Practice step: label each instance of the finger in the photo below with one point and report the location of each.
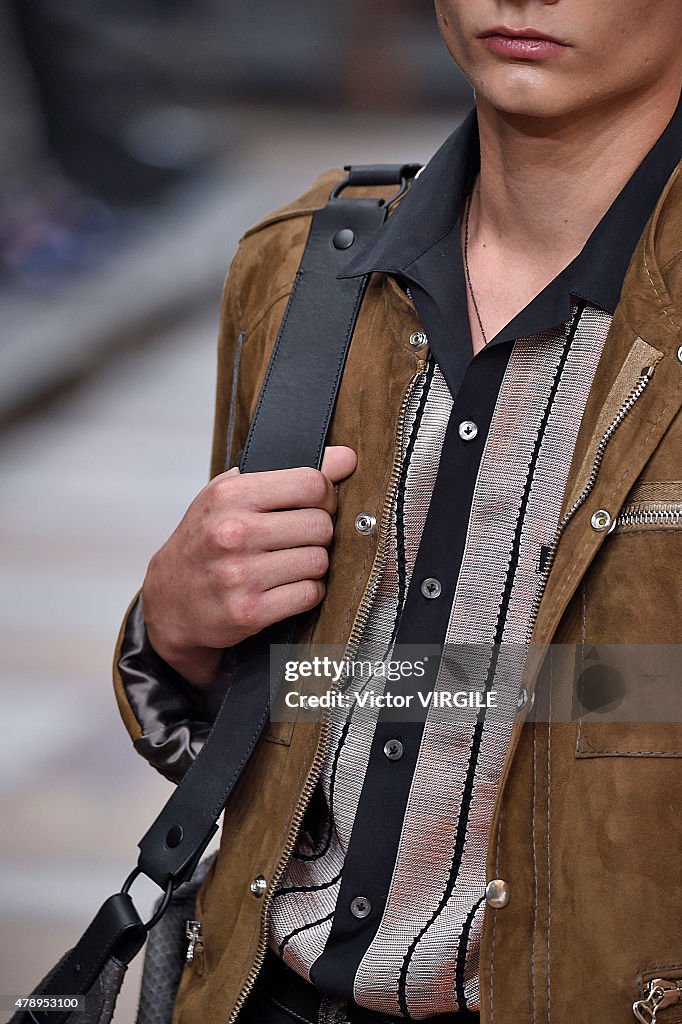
(289, 599)
(338, 462)
(286, 489)
(276, 568)
(275, 531)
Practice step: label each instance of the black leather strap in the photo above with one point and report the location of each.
(288, 429)
(298, 394)
(380, 174)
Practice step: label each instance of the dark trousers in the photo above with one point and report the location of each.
(280, 996)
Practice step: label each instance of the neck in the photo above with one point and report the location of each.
(546, 183)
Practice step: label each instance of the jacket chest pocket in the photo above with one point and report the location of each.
(655, 505)
(629, 702)
(628, 689)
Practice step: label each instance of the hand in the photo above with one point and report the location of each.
(250, 550)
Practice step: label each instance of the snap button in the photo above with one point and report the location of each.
(343, 239)
(468, 430)
(431, 588)
(258, 886)
(365, 523)
(497, 893)
(524, 698)
(418, 339)
(601, 520)
(393, 749)
(360, 907)
(679, 353)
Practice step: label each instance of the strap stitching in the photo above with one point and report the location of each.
(341, 362)
(275, 356)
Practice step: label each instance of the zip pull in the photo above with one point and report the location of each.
(195, 947)
(660, 995)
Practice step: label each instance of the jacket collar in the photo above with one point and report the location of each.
(422, 236)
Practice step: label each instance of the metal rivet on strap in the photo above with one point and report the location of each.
(174, 836)
(343, 239)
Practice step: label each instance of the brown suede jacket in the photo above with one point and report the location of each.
(587, 830)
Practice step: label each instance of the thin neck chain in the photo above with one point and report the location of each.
(466, 267)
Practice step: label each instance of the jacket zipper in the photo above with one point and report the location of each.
(396, 469)
(660, 995)
(311, 781)
(644, 378)
(316, 767)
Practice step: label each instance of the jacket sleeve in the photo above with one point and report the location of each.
(168, 719)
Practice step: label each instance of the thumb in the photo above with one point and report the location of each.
(338, 462)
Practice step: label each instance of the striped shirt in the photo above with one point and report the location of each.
(382, 903)
(432, 918)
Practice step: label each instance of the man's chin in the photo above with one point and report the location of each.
(527, 92)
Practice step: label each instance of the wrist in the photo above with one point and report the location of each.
(197, 665)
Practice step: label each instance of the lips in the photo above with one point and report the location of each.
(524, 43)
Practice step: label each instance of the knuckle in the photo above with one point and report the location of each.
(321, 527)
(319, 561)
(312, 593)
(214, 535)
(233, 574)
(231, 534)
(313, 485)
(244, 610)
(328, 529)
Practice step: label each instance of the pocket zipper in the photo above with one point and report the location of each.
(660, 995)
(638, 389)
(638, 515)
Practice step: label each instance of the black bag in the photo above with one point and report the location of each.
(288, 430)
(166, 951)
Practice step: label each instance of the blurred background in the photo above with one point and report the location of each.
(138, 140)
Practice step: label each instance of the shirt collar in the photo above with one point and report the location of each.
(420, 241)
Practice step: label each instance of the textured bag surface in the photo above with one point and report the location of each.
(101, 999)
(164, 956)
(163, 963)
